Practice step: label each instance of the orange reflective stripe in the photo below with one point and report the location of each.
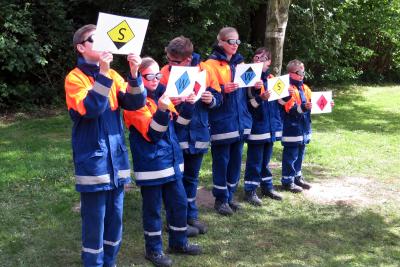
(141, 118)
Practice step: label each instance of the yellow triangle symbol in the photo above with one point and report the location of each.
(279, 86)
(121, 34)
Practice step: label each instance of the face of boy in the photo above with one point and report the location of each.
(177, 61)
(85, 48)
(264, 59)
(297, 74)
(152, 69)
(230, 49)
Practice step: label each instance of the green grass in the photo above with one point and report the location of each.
(361, 138)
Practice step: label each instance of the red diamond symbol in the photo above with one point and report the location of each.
(322, 102)
(196, 88)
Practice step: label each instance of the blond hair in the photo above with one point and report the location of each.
(225, 31)
(146, 62)
(294, 65)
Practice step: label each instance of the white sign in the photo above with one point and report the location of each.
(181, 81)
(321, 102)
(119, 35)
(246, 75)
(279, 87)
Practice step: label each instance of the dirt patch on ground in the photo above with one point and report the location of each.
(204, 198)
(356, 191)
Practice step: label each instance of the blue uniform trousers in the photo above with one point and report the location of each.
(226, 164)
(101, 214)
(292, 160)
(257, 169)
(191, 180)
(174, 198)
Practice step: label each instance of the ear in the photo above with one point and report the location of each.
(80, 48)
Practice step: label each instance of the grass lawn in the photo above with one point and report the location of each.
(358, 142)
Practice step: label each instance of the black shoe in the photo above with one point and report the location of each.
(159, 259)
(192, 231)
(223, 208)
(292, 188)
(299, 180)
(252, 198)
(271, 193)
(235, 206)
(199, 225)
(189, 249)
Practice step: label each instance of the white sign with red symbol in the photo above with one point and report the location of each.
(279, 87)
(183, 81)
(119, 35)
(321, 102)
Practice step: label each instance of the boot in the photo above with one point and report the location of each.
(159, 259)
(223, 208)
(235, 206)
(271, 193)
(252, 198)
(292, 187)
(199, 225)
(189, 249)
(299, 180)
(192, 231)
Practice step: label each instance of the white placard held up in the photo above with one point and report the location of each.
(181, 81)
(279, 87)
(119, 35)
(246, 75)
(321, 102)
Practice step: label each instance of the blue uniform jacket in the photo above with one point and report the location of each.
(230, 122)
(99, 152)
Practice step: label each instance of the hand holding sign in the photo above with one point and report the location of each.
(134, 63)
(104, 63)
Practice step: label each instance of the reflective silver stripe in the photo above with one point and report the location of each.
(254, 103)
(292, 138)
(184, 145)
(124, 173)
(110, 243)
(181, 167)
(158, 127)
(93, 251)
(278, 134)
(247, 131)
(215, 137)
(92, 180)
(152, 233)
(250, 182)
(220, 187)
(101, 89)
(298, 173)
(259, 136)
(288, 177)
(177, 228)
(231, 185)
(182, 120)
(199, 144)
(191, 199)
(150, 175)
(135, 90)
(267, 178)
(280, 101)
(299, 110)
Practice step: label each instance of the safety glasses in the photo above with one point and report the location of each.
(89, 39)
(176, 62)
(300, 72)
(233, 41)
(152, 76)
(261, 58)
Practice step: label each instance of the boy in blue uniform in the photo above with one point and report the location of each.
(94, 95)
(266, 129)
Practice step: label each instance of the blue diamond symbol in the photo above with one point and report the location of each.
(248, 75)
(182, 83)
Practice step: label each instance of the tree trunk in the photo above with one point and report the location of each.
(277, 18)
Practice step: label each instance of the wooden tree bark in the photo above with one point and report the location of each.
(277, 18)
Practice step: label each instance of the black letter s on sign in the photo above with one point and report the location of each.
(120, 32)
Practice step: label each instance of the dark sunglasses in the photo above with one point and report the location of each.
(152, 76)
(233, 41)
(177, 62)
(300, 72)
(261, 58)
(89, 39)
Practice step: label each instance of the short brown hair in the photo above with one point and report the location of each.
(180, 47)
(263, 50)
(294, 65)
(79, 35)
(224, 32)
(146, 62)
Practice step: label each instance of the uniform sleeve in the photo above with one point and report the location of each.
(214, 87)
(185, 114)
(151, 126)
(86, 99)
(131, 94)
